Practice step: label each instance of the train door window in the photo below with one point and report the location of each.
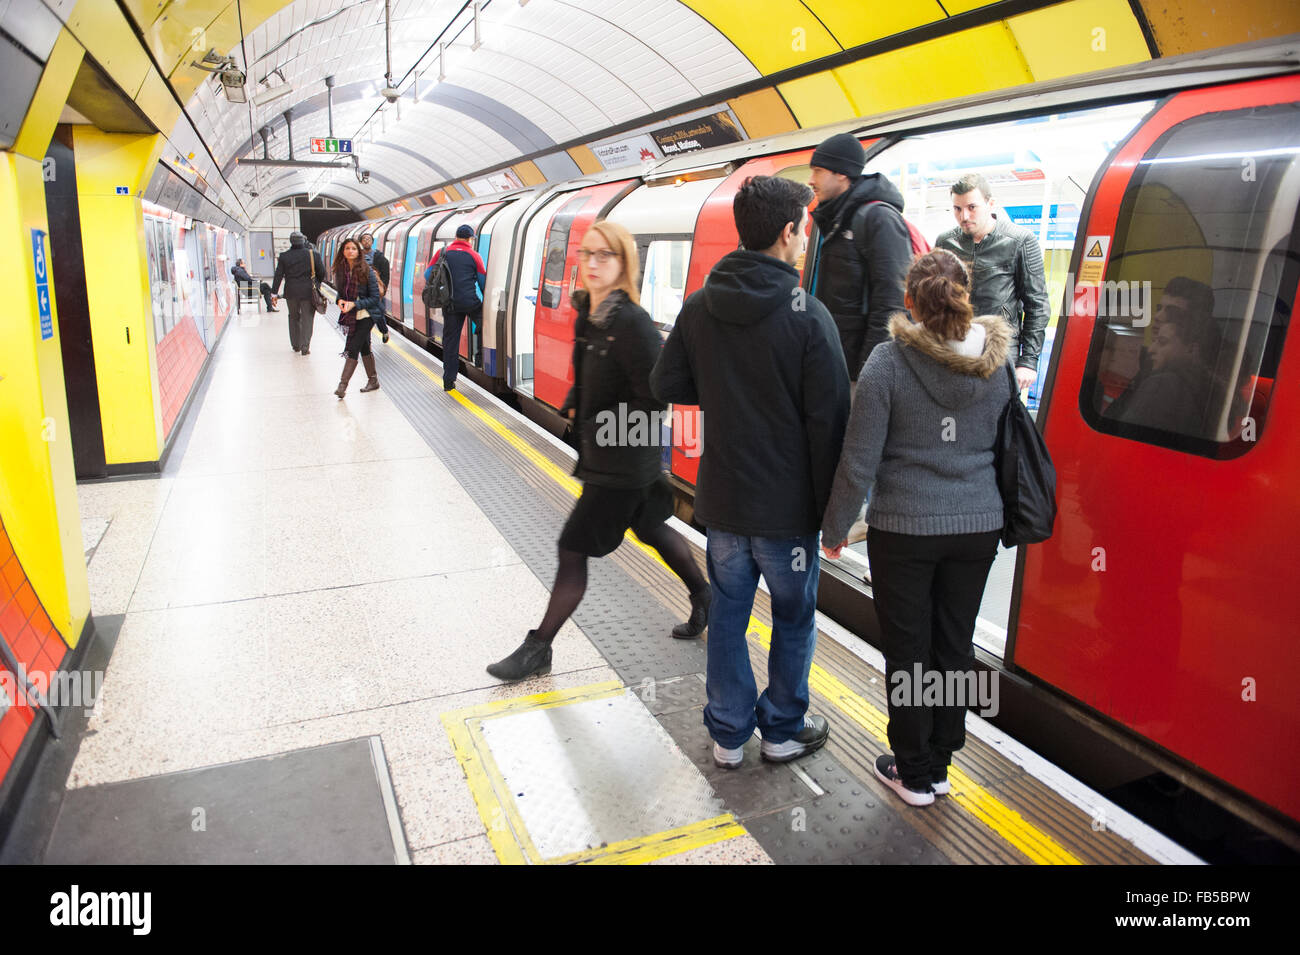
(1039, 170)
(663, 279)
(1199, 285)
(536, 242)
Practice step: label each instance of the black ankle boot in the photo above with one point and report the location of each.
(533, 658)
(699, 616)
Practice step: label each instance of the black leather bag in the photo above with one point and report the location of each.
(1025, 473)
(318, 301)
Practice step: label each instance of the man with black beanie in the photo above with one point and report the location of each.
(865, 247)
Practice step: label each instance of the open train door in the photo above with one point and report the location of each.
(1165, 599)
(554, 318)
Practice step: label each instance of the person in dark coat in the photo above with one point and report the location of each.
(762, 359)
(468, 277)
(865, 247)
(358, 289)
(618, 422)
(379, 262)
(1005, 262)
(294, 269)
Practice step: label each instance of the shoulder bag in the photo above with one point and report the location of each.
(1026, 478)
(317, 299)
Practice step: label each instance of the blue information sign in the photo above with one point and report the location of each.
(122, 190)
(41, 271)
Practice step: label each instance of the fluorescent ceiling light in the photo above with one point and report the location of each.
(271, 95)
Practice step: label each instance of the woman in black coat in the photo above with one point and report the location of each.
(618, 425)
(358, 289)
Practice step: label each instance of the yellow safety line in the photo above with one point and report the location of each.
(974, 798)
(670, 842)
(970, 795)
(506, 830)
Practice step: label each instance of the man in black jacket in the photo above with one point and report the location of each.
(294, 269)
(763, 361)
(1005, 263)
(865, 247)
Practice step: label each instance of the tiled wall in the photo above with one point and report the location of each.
(180, 357)
(35, 642)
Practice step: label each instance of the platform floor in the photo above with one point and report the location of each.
(310, 571)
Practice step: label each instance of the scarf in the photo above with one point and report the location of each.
(604, 314)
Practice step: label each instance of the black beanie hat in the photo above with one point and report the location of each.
(465, 232)
(841, 153)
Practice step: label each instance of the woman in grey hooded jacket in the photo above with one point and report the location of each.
(920, 442)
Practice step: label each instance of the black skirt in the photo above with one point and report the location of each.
(603, 514)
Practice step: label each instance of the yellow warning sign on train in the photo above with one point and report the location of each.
(1095, 252)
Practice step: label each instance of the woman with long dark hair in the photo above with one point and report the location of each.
(358, 290)
(920, 441)
(615, 346)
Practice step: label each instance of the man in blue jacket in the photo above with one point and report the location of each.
(763, 361)
(468, 275)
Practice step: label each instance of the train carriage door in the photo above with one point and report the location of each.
(661, 215)
(532, 258)
(1167, 590)
(554, 318)
(1038, 169)
(426, 244)
(714, 237)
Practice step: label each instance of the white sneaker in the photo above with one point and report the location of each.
(941, 789)
(725, 758)
(887, 772)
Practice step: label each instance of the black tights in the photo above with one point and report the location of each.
(571, 577)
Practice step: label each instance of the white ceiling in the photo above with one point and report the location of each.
(545, 73)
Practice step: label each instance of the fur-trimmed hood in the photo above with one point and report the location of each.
(951, 379)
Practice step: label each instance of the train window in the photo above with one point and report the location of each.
(1199, 285)
(1038, 168)
(663, 279)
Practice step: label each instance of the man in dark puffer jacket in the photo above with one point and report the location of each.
(865, 247)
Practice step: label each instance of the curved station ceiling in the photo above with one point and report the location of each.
(488, 95)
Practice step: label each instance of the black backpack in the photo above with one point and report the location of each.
(1026, 477)
(438, 291)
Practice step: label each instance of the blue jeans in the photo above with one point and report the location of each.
(790, 566)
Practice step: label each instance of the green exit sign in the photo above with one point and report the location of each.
(331, 146)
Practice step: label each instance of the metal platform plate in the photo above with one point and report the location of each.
(584, 775)
(325, 805)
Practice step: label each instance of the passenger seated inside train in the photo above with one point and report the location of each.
(1174, 382)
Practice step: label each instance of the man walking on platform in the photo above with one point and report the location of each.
(468, 276)
(1005, 263)
(295, 269)
(763, 361)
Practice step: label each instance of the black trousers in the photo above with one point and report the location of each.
(358, 341)
(927, 593)
(452, 324)
(302, 319)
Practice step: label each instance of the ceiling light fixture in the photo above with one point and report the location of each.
(272, 93)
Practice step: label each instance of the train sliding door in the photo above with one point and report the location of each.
(1165, 600)
(554, 316)
(1038, 169)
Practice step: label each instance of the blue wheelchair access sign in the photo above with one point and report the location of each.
(41, 271)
